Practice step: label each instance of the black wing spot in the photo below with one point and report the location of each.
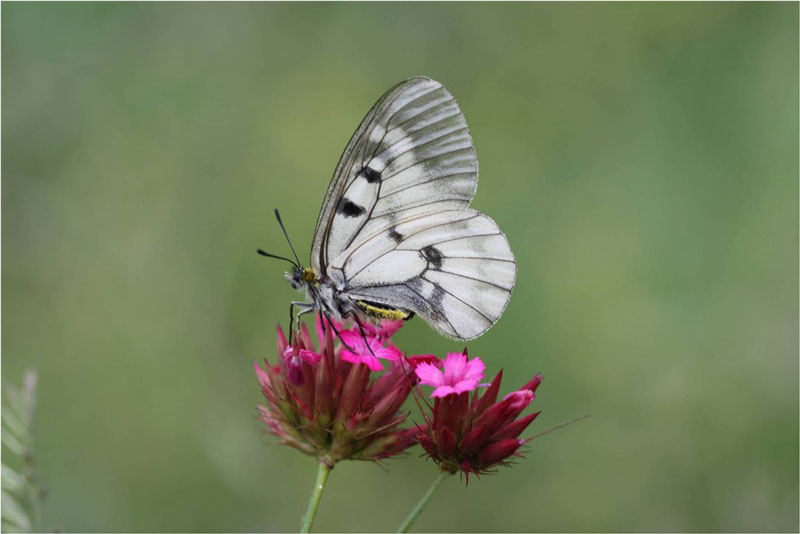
(433, 255)
(349, 208)
(395, 235)
(370, 174)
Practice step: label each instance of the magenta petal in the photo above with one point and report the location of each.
(348, 356)
(309, 356)
(474, 370)
(443, 391)
(353, 339)
(465, 385)
(454, 366)
(367, 359)
(371, 347)
(387, 353)
(429, 374)
(372, 362)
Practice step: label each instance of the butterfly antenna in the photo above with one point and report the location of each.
(268, 255)
(285, 233)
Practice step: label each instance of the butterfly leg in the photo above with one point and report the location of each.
(363, 334)
(338, 335)
(305, 307)
(326, 311)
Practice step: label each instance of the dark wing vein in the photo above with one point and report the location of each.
(473, 278)
(438, 311)
(429, 110)
(395, 173)
(344, 168)
(458, 299)
(480, 258)
(424, 183)
(466, 237)
(364, 160)
(428, 142)
(409, 236)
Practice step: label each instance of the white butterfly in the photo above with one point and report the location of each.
(396, 236)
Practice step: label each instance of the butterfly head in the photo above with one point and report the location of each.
(301, 277)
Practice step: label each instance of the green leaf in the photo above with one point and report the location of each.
(20, 495)
(14, 513)
(16, 403)
(13, 444)
(14, 425)
(12, 481)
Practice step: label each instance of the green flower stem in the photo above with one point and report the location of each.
(415, 513)
(316, 495)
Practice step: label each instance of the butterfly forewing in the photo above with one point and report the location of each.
(411, 154)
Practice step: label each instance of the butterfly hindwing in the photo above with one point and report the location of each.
(453, 268)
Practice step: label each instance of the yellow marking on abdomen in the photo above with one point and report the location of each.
(382, 313)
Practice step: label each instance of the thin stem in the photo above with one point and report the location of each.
(316, 495)
(557, 427)
(415, 513)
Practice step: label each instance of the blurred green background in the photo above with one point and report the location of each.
(642, 160)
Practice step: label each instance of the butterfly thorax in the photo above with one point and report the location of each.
(310, 277)
(329, 296)
(302, 277)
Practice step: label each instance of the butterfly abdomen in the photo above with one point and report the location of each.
(381, 311)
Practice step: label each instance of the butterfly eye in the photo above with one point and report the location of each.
(293, 279)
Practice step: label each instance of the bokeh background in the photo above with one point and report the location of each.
(642, 160)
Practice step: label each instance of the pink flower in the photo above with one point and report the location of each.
(363, 354)
(459, 375)
(472, 433)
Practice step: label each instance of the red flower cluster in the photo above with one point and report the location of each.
(472, 435)
(327, 401)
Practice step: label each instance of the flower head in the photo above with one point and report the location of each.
(472, 435)
(326, 400)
